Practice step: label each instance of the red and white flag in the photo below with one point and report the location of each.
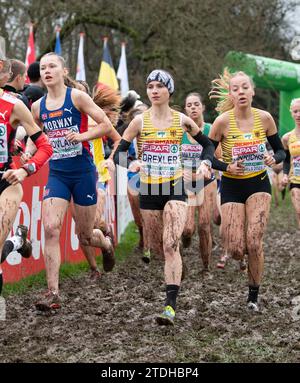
(30, 54)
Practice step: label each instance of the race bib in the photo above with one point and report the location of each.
(3, 144)
(253, 155)
(160, 159)
(62, 148)
(191, 155)
(296, 166)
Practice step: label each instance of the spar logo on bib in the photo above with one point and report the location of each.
(174, 149)
(2, 130)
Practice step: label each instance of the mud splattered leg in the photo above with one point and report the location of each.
(152, 222)
(233, 229)
(257, 211)
(295, 195)
(10, 200)
(174, 218)
(54, 210)
(204, 228)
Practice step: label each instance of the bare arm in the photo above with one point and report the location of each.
(84, 103)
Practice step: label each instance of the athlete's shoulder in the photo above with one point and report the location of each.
(11, 98)
(286, 136)
(264, 115)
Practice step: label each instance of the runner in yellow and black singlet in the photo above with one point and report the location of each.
(245, 186)
(291, 165)
(159, 131)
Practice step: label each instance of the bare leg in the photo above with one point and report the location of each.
(10, 200)
(153, 238)
(174, 218)
(134, 201)
(295, 195)
(257, 211)
(54, 210)
(233, 229)
(204, 228)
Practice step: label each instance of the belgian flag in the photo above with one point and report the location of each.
(107, 74)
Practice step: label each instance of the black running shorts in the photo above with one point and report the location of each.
(155, 196)
(239, 190)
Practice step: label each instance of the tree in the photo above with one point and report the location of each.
(190, 39)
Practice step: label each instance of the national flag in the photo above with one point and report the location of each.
(30, 54)
(57, 49)
(80, 70)
(107, 74)
(122, 73)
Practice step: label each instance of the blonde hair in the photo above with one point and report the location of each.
(293, 102)
(221, 90)
(60, 58)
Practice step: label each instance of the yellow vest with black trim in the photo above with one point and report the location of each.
(160, 151)
(294, 148)
(250, 147)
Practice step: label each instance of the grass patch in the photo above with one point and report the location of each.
(127, 243)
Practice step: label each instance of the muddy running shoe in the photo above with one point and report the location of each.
(243, 265)
(49, 301)
(186, 241)
(253, 306)
(146, 256)
(108, 256)
(167, 317)
(222, 262)
(206, 274)
(19, 243)
(95, 275)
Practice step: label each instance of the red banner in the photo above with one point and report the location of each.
(30, 214)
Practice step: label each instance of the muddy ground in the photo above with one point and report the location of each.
(113, 321)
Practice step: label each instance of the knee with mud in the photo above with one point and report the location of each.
(84, 240)
(237, 254)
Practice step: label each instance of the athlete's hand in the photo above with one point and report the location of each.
(188, 175)
(74, 137)
(25, 157)
(15, 176)
(204, 170)
(269, 160)
(285, 180)
(236, 168)
(135, 166)
(108, 164)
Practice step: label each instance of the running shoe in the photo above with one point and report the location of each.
(108, 256)
(222, 262)
(253, 306)
(146, 256)
(206, 274)
(243, 265)
(167, 317)
(95, 275)
(186, 241)
(49, 301)
(20, 236)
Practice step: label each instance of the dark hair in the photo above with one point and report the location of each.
(195, 94)
(33, 72)
(17, 67)
(85, 85)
